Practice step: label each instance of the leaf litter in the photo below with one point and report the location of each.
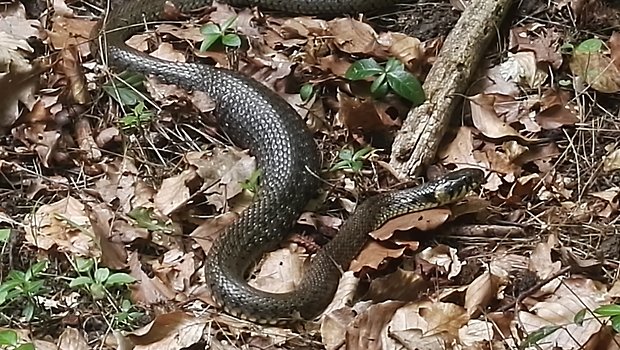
(128, 185)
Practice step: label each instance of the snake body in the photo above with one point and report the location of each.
(256, 118)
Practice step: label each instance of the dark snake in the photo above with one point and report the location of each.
(255, 117)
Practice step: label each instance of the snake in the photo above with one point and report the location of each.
(255, 117)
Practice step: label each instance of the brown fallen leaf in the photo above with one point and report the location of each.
(147, 290)
(424, 220)
(210, 229)
(480, 292)
(556, 111)
(174, 192)
(426, 325)
(571, 297)
(113, 253)
(596, 70)
(72, 339)
(175, 330)
(366, 332)
(441, 256)
(352, 36)
(399, 285)
(280, 271)
(487, 121)
(365, 115)
(71, 32)
(64, 224)
(373, 254)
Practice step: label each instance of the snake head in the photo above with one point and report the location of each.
(455, 185)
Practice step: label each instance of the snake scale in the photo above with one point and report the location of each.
(254, 117)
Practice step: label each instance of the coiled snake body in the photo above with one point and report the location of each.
(255, 117)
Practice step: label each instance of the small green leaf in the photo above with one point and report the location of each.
(357, 166)
(608, 310)
(97, 291)
(83, 265)
(615, 323)
(407, 86)
(306, 92)
(210, 29)
(567, 49)
(538, 335)
(229, 22)
(579, 316)
(8, 337)
(119, 278)
(590, 46)
(144, 218)
(28, 311)
(252, 183)
(363, 69)
(346, 154)
(381, 91)
(343, 164)
(394, 65)
(27, 346)
(231, 40)
(360, 154)
(37, 268)
(80, 281)
(3, 295)
(102, 274)
(5, 234)
(209, 40)
(376, 85)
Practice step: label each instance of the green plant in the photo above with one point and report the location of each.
(391, 76)
(146, 218)
(613, 312)
(252, 183)
(213, 33)
(10, 340)
(350, 160)
(125, 88)
(306, 92)
(24, 287)
(97, 281)
(5, 234)
(139, 115)
(127, 316)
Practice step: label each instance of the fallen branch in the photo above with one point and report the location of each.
(418, 139)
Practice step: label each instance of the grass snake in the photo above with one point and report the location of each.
(254, 117)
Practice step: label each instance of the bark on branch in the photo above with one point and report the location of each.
(417, 141)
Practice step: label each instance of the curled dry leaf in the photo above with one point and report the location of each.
(425, 325)
(399, 285)
(334, 327)
(521, 67)
(480, 292)
(147, 290)
(175, 330)
(540, 260)
(113, 252)
(368, 330)
(487, 121)
(373, 254)
(442, 256)
(117, 186)
(347, 287)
